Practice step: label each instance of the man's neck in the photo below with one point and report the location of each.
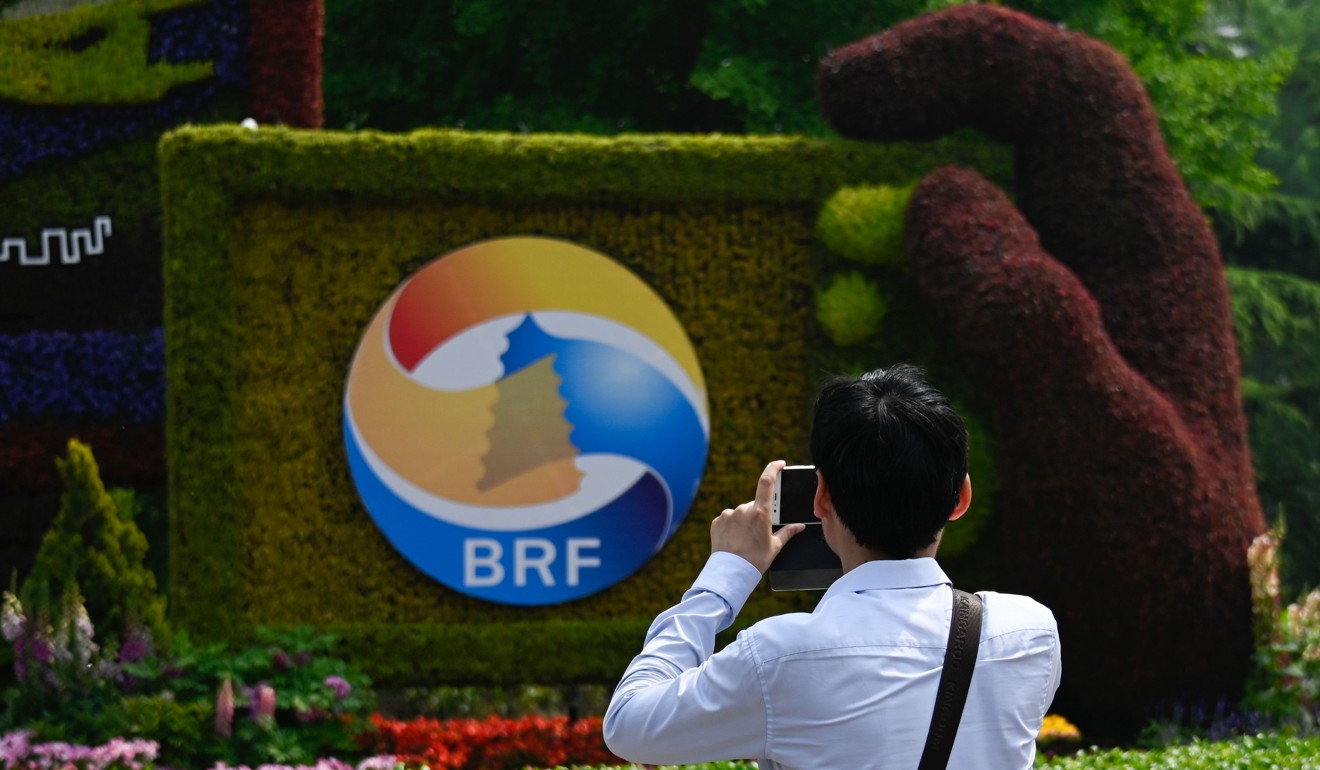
(856, 555)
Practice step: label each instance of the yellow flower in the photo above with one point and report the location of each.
(1056, 728)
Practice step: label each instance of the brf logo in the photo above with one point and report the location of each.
(526, 421)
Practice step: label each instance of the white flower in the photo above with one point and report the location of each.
(83, 646)
(11, 618)
(59, 640)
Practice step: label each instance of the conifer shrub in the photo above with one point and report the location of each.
(91, 546)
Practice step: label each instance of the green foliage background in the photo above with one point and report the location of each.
(1277, 317)
(281, 246)
(748, 66)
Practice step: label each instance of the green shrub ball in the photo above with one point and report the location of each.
(865, 224)
(851, 309)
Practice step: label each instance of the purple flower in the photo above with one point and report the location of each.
(20, 657)
(95, 374)
(263, 702)
(41, 649)
(339, 686)
(138, 646)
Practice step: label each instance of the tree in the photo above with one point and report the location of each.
(746, 66)
(91, 546)
(1282, 230)
(1278, 328)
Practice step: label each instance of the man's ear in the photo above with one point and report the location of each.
(823, 506)
(964, 499)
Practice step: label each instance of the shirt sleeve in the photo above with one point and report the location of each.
(677, 702)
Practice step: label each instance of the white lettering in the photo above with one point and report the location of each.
(521, 560)
(484, 565)
(576, 561)
(479, 552)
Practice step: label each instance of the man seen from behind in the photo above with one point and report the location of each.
(852, 684)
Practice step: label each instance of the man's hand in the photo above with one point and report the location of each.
(745, 531)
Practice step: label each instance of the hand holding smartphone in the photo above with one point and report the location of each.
(794, 498)
(806, 562)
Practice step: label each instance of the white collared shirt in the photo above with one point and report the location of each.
(850, 685)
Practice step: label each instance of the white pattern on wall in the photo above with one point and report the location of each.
(68, 246)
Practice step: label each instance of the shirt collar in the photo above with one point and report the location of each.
(886, 574)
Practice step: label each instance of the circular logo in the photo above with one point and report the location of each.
(526, 421)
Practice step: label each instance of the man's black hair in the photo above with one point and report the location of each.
(893, 453)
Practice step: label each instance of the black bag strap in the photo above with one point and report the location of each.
(955, 680)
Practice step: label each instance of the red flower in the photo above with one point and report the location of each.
(491, 744)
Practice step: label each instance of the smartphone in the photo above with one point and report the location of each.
(806, 563)
(795, 495)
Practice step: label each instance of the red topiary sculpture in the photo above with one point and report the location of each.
(1096, 317)
(285, 38)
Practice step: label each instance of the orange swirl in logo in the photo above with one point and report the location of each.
(435, 437)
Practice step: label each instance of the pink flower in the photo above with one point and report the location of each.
(339, 686)
(17, 751)
(224, 709)
(263, 702)
(14, 746)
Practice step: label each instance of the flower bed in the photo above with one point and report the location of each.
(19, 752)
(492, 744)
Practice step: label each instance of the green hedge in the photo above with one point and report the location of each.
(1262, 752)
(280, 246)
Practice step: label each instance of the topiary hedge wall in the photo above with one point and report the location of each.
(280, 247)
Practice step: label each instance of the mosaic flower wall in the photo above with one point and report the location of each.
(85, 93)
